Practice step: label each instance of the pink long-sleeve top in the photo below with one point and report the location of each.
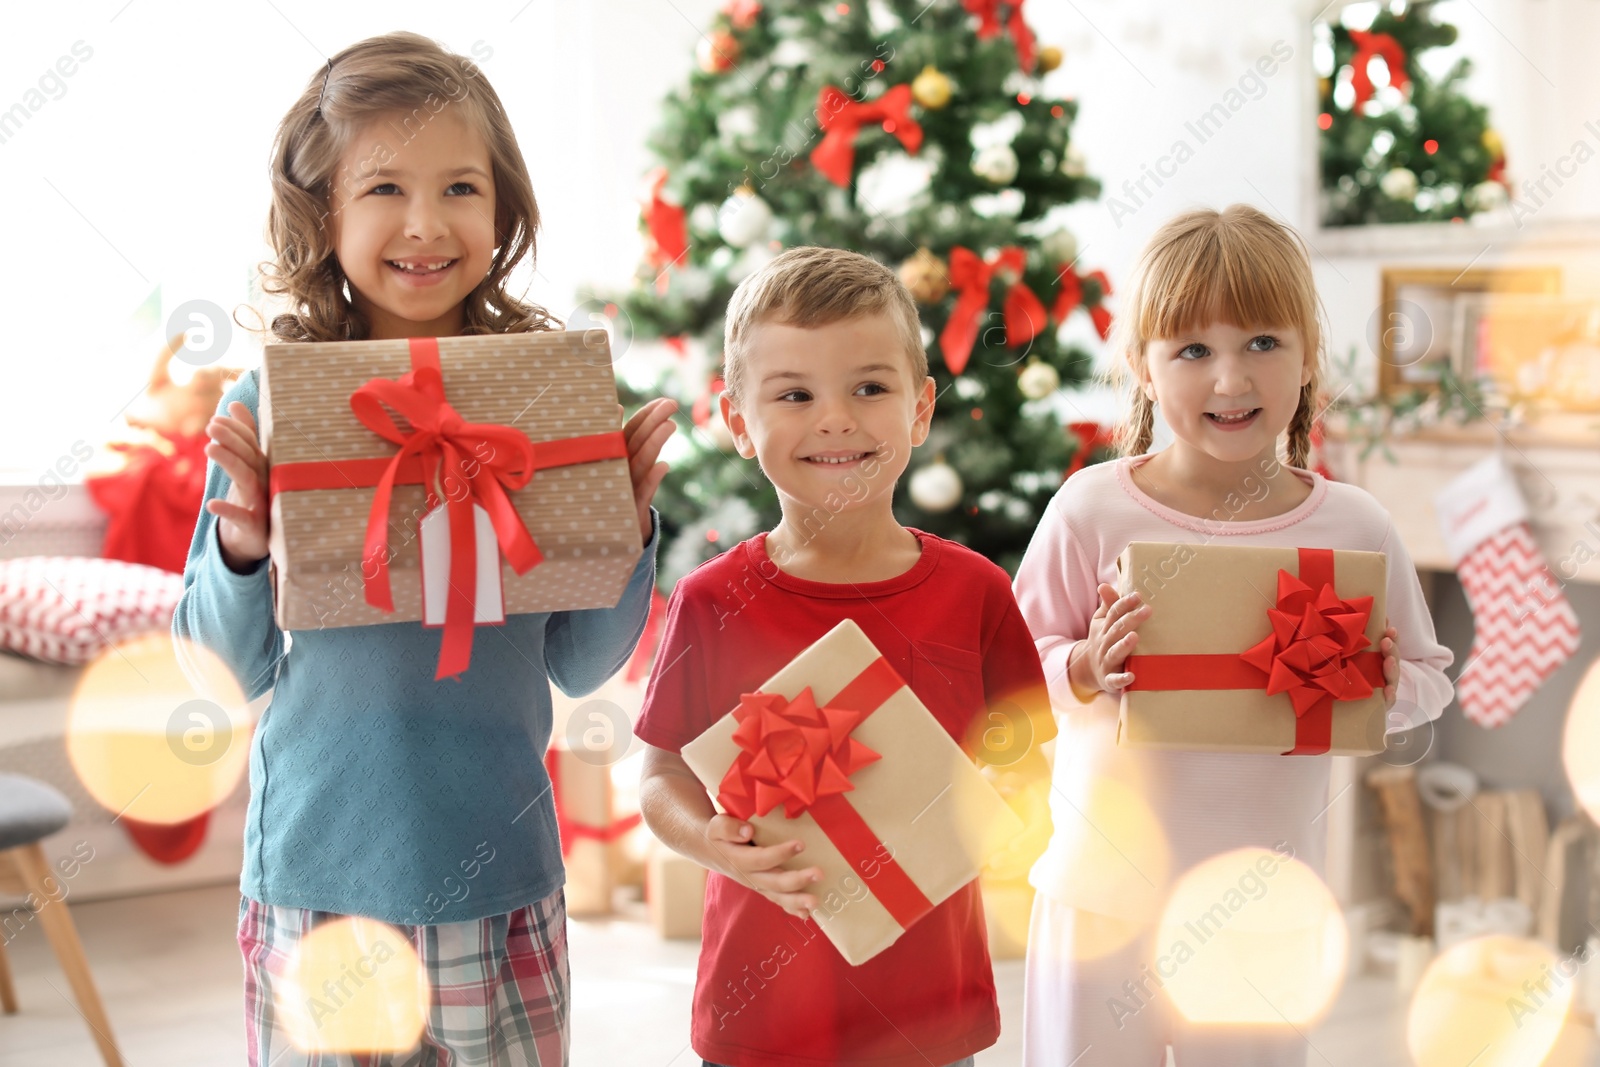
(1127, 821)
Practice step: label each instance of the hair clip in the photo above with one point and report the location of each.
(324, 94)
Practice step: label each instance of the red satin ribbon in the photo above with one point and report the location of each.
(669, 229)
(970, 276)
(1070, 295)
(988, 12)
(842, 118)
(572, 832)
(434, 453)
(1313, 653)
(798, 756)
(1376, 44)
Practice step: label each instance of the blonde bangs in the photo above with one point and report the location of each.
(1234, 273)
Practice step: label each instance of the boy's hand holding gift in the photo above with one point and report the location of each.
(760, 866)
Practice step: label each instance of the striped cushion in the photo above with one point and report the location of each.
(66, 609)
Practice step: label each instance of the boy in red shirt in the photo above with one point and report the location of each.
(828, 388)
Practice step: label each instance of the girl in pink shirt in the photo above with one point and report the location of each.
(1219, 331)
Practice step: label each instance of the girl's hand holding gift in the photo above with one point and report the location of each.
(1113, 632)
(242, 518)
(757, 866)
(1390, 647)
(646, 432)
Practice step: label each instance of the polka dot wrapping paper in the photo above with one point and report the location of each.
(550, 386)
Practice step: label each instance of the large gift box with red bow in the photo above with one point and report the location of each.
(836, 751)
(1272, 650)
(453, 481)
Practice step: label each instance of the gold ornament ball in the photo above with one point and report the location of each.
(1049, 58)
(1038, 380)
(718, 53)
(1493, 144)
(925, 276)
(931, 88)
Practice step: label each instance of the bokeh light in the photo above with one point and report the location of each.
(148, 742)
(1252, 936)
(353, 985)
(1494, 1001)
(1580, 747)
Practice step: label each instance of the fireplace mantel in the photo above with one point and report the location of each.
(1557, 468)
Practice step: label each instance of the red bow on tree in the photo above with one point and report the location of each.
(1024, 313)
(1090, 435)
(1376, 44)
(988, 12)
(668, 227)
(1311, 651)
(842, 118)
(1070, 295)
(792, 753)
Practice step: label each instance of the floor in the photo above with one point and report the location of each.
(168, 969)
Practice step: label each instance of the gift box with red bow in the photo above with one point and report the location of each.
(836, 751)
(450, 480)
(1272, 650)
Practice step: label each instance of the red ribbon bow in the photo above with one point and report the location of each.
(988, 12)
(1070, 295)
(669, 229)
(1317, 653)
(1024, 312)
(800, 756)
(434, 452)
(1376, 44)
(1312, 649)
(793, 752)
(842, 118)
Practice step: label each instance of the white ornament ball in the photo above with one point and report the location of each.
(936, 487)
(743, 219)
(1059, 247)
(1076, 164)
(996, 163)
(1399, 184)
(1038, 380)
(1487, 196)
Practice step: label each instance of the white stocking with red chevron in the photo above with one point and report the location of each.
(1524, 628)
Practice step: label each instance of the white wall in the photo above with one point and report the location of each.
(147, 166)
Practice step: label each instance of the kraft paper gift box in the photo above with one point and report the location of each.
(517, 436)
(836, 751)
(1271, 650)
(675, 893)
(592, 829)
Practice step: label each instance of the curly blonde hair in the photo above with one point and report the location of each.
(397, 72)
(1237, 265)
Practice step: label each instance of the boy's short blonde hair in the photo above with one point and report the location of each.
(811, 286)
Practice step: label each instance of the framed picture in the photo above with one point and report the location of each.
(1539, 350)
(1418, 330)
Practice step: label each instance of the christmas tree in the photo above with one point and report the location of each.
(917, 134)
(1403, 146)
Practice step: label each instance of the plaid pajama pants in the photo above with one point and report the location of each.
(499, 989)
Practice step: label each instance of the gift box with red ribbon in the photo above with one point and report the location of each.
(489, 470)
(1271, 650)
(836, 751)
(594, 827)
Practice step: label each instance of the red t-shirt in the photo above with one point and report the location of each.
(772, 991)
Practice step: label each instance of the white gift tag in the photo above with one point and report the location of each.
(435, 537)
